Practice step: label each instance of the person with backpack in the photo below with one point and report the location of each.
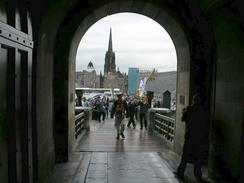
(119, 111)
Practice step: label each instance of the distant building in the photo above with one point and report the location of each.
(88, 78)
(111, 77)
(133, 80)
(109, 65)
(161, 82)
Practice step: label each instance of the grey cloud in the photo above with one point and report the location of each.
(136, 40)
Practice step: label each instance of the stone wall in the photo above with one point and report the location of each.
(229, 88)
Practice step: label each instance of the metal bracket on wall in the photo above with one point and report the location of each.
(182, 99)
(15, 35)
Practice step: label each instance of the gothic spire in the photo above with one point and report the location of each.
(110, 44)
(110, 66)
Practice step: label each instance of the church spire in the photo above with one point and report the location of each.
(110, 66)
(110, 44)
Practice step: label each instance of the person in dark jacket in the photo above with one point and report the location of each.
(195, 149)
(106, 101)
(143, 112)
(120, 111)
(100, 107)
(132, 111)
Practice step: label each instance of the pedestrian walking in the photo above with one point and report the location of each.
(195, 149)
(100, 107)
(107, 106)
(119, 111)
(143, 112)
(132, 111)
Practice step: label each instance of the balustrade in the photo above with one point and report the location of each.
(79, 123)
(162, 124)
(83, 116)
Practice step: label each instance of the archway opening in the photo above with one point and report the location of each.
(68, 40)
(129, 53)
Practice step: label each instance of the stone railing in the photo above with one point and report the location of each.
(162, 124)
(83, 117)
(79, 123)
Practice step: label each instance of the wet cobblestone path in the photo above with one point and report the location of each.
(142, 157)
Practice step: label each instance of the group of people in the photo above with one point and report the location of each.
(127, 108)
(100, 106)
(195, 147)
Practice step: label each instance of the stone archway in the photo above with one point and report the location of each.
(185, 25)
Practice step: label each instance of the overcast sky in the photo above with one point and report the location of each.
(138, 41)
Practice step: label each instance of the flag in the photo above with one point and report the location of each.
(142, 86)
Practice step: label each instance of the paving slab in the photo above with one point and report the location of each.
(141, 157)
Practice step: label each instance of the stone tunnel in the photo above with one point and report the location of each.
(39, 41)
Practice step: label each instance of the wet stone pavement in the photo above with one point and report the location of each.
(141, 157)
